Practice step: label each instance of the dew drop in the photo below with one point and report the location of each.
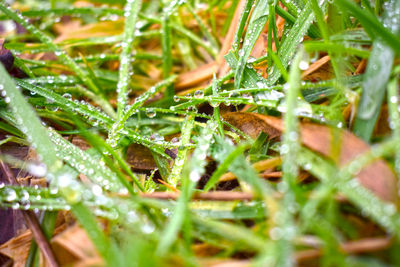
(38, 170)
(11, 195)
(198, 94)
(150, 113)
(303, 65)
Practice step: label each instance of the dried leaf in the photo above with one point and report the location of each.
(195, 77)
(377, 176)
(140, 158)
(17, 248)
(73, 245)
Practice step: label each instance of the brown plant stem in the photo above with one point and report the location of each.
(32, 222)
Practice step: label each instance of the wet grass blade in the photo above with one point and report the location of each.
(28, 123)
(382, 212)
(376, 77)
(179, 162)
(294, 37)
(65, 58)
(242, 24)
(38, 136)
(131, 12)
(257, 23)
(371, 24)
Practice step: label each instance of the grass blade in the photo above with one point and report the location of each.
(257, 23)
(131, 12)
(376, 77)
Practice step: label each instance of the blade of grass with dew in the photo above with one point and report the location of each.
(371, 24)
(40, 198)
(259, 18)
(369, 203)
(376, 76)
(191, 175)
(132, 109)
(294, 37)
(313, 46)
(61, 54)
(179, 162)
(75, 11)
(242, 23)
(250, 75)
(84, 163)
(224, 165)
(131, 12)
(215, 105)
(282, 251)
(394, 115)
(89, 111)
(166, 51)
(28, 123)
(271, 100)
(37, 135)
(66, 103)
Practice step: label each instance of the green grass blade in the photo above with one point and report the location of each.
(29, 123)
(294, 37)
(131, 12)
(376, 77)
(394, 115)
(257, 23)
(242, 24)
(179, 162)
(58, 52)
(371, 24)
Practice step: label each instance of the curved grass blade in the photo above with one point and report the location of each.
(29, 123)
